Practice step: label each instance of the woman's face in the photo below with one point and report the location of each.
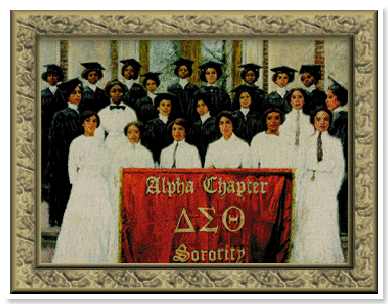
(183, 72)
(321, 121)
(282, 80)
(245, 100)
(133, 134)
(90, 125)
(93, 77)
(202, 108)
(129, 73)
(307, 79)
(52, 79)
(116, 94)
(178, 132)
(273, 121)
(211, 75)
(151, 86)
(250, 77)
(164, 107)
(297, 100)
(75, 96)
(226, 127)
(332, 101)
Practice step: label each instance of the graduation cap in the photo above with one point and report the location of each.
(53, 69)
(251, 67)
(132, 62)
(185, 62)
(313, 70)
(285, 70)
(69, 86)
(339, 90)
(91, 66)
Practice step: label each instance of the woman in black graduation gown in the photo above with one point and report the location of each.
(145, 107)
(133, 90)
(336, 102)
(52, 102)
(248, 122)
(94, 98)
(219, 99)
(204, 130)
(64, 128)
(156, 136)
(250, 75)
(183, 89)
(277, 99)
(310, 75)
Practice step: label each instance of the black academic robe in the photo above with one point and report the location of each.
(202, 134)
(316, 98)
(258, 101)
(185, 99)
(247, 128)
(50, 105)
(134, 93)
(274, 100)
(63, 130)
(145, 109)
(219, 100)
(93, 100)
(156, 137)
(339, 128)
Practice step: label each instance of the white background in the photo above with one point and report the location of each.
(7, 6)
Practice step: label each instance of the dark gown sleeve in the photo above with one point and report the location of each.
(93, 100)
(156, 137)
(246, 129)
(131, 95)
(317, 98)
(274, 100)
(185, 99)
(63, 130)
(145, 109)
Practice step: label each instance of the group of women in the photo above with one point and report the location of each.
(94, 132)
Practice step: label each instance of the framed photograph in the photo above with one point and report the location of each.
(342, 45)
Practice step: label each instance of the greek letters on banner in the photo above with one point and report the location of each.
(206, 216)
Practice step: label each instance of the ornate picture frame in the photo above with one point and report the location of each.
(28, 275)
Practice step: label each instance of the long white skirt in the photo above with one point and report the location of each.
(317, 236)
(89, 232)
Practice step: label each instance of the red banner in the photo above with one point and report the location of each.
(206, 216)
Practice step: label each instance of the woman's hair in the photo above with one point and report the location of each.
(180, 122)
(111, 84)
(340, 92)
(264, 117)
(189, 69)
(226, 114)
(315, 112)
(302, 91)
(156, 79)
(67, 92)
(291, 76)
(135, 70)
(85, 115)
(217, 68)
(135, 123)
(86, 72)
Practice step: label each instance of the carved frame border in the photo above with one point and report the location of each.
(29, 276)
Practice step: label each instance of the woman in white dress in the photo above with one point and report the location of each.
(271, 149)
(229, 151)
(180, 154)
(88, 233)
(316, 228)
